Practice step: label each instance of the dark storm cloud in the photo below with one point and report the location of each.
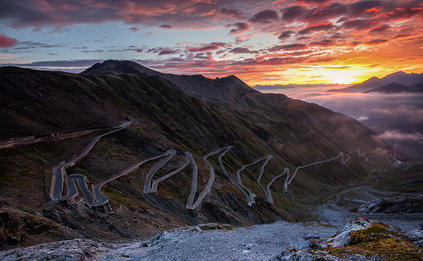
(265, 17)
(232, 13)
(380, 29)
(316, 28)
(371, 42)
(358, 24)
(285, 35)
(195, 13)
(383, 10)
(241, 50)
(287, 47)
(326, 13)
(325, 42)
(162, 50)
(239, 28)
(39, 13)
(313, 1)
(292, 13)
(207, 47)
(363, 7)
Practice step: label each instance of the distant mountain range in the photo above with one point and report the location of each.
(392, 83)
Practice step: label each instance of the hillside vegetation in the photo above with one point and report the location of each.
(37, 103)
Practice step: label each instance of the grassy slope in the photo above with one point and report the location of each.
(294, 132)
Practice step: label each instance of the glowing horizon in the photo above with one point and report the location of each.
(267, 43)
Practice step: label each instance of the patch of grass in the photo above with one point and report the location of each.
(379, 240)
(376, 232)
(213, 226)
(118, 197)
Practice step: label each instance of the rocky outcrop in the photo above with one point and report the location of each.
(76, 249)
(411, 203)
(362, 239)
(22, 228)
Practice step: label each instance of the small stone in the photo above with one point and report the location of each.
(419, 243)
(310, 236)
(314, 243)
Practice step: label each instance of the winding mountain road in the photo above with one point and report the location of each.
(59, 172)
(222, 166)
(153, 187)
(251, 195)
(260, 176)
(101, 199)
(289, 179)
(191, 204)
(96, 198)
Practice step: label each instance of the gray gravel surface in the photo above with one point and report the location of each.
(259, 242)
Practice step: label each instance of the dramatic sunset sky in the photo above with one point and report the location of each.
(262, 42)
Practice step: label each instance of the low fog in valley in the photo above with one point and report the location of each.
(396, 118)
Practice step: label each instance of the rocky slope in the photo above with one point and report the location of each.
(360, 239)
(36, 103)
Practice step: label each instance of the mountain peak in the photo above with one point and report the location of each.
(233, 79)
(373, 79)
(397, 73)
(119, 66)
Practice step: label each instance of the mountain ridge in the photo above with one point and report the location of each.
(398, 88)
(370, 85)
(228, 88)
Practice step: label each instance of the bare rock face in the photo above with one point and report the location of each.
(343, 236)
(411, 203)
(76, 249)
(17, 227)
(417, 236)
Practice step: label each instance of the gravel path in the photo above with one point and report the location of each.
(259, 242)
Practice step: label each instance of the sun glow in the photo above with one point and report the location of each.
(320, 74)
(341, 76)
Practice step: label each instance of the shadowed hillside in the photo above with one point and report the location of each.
(36, 103)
